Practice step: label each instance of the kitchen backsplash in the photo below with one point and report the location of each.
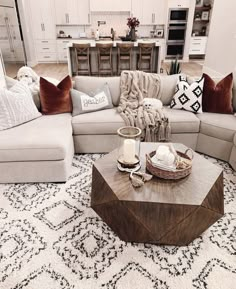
(115, 20)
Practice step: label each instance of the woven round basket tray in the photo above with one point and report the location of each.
(170, 175)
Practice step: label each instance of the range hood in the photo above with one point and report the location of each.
(110, 6)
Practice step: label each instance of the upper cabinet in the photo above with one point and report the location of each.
(179, 3)
(84, 17)
(72, 12)
(66, 12)
(149, 12)
(43, 21)
(110, 6)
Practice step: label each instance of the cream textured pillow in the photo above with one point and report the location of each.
(16, 106)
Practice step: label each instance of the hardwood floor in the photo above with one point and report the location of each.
(192, 68)
(12, 68)
(59, 71)
(54, 70)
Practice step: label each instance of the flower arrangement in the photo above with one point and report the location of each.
(133, 22)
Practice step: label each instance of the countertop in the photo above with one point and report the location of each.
(158, 41)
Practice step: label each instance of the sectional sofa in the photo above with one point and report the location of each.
(42, 150)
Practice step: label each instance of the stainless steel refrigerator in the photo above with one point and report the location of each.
(11, 38)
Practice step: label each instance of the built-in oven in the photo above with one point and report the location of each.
(176, 32)
(178, 15)
(174, 49)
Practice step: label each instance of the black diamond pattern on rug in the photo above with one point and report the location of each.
(80, 189)
(216, 274)
(58, 215)
(175, 260)
(25, 197)
(19, 242)
(133, 275)
(45, 276)
(96, 252)
(223, 233)
(84, 253)
(84, 245)
(3, 214)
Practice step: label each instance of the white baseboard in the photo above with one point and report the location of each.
(212, 72)
(186, 59)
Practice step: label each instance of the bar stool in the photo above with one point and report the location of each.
(125, 52)
(83, 58)
(104, 56)
(146, 56)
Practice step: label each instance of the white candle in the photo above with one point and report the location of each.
(129, 151)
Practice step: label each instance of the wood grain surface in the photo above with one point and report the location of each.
(162, 211)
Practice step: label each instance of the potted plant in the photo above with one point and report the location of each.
(132, 23)
(174, 67)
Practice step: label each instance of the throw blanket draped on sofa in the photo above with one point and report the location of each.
(135, 86)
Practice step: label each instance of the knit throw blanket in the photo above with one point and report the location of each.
(135, 86)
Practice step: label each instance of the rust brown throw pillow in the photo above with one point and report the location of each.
(55, 99)
(217, 98)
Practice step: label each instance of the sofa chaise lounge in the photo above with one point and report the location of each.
(42, 150)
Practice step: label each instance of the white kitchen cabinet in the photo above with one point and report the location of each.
(149, 12)
(72, 12)
(198, 45)
(46, 50)
(110, 6)
(66, 12)
(84, 16)
(42, 19)
(62, 49)
(137, 9)
(179, 3)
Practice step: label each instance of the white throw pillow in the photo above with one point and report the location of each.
(16, 106)
(84, 103)
(188, 97)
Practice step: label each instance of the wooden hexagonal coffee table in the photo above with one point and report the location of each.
(161, 212)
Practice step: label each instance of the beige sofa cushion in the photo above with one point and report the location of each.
(221, 126)
(168, 86)
(109, 120)
(235, 139)
(182, 121)
(90, 84)
(100, 122)
(43, 139)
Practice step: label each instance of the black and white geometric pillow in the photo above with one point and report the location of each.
(188, 97)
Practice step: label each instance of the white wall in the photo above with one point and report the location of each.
(220, 56)
(24, 10)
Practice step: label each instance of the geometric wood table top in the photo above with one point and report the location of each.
(162, 211)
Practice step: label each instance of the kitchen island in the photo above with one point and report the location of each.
(72, 58)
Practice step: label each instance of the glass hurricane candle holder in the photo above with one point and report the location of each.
(129, 147)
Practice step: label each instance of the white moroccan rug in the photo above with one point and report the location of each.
(51, 239)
